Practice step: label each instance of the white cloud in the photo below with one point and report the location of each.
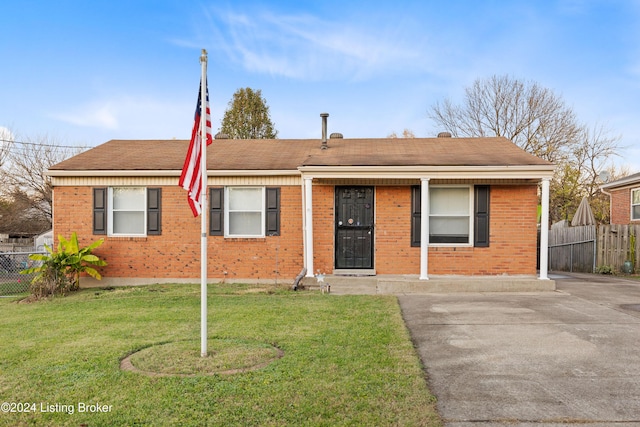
(574, 7)
(309, 48)
(132, 116)
(101, 115)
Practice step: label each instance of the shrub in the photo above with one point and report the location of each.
(604, 269)
(59, 271)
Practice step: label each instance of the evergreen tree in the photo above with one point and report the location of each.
(247, 116)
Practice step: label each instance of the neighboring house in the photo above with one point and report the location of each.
(419, 206)
(43, 239)
(624, 198)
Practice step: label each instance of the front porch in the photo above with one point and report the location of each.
(411, 284)
(391, 225)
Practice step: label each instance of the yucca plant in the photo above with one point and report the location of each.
(59, 271)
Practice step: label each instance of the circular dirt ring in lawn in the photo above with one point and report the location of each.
(182, 358)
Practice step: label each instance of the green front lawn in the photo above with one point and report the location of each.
(348, 360)
(13, 287)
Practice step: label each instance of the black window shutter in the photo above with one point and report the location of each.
(415, 215)
(216, 211)
(481, 213)
(99, 211)
(273, 212)
(154, 211)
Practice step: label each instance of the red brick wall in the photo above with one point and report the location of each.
(323, 228)
(620, 206)
(512, 238)
(393, 251)
(176, 253)
(513, 231)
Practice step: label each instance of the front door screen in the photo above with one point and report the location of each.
(354, 227)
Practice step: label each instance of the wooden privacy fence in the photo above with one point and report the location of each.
(573, 249)
(585, 248)
(614, 245)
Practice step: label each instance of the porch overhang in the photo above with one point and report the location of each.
(523, 174)
(526, 172)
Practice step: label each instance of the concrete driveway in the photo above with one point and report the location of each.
(569, 357)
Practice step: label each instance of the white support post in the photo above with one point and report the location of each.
(424, 229)
(308, 225)
(544, 230)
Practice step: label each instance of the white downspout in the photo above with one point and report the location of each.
(544, 230)
(424, 229)
(610, 204)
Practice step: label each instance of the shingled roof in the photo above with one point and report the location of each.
(629, 180)
(289, 154)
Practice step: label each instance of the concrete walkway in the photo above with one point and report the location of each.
(569, 357)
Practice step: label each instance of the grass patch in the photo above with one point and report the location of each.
(348, 360)
(225, 356)
(8, 288)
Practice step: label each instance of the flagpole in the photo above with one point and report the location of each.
(203, 199)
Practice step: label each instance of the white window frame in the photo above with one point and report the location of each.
(227, 210)
(110, 206)
(633, 190)
(470, 215)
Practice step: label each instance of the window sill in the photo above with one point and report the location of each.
(127, 238)
(464, 248)
(446, 245)
(245, 239)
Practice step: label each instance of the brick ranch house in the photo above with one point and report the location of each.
(420, 208)
(624, 198)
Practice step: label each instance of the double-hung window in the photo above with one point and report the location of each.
(127, 211)
(245, 215)
(635, 204)
(458, 215)
(244, 211)
(450, 215)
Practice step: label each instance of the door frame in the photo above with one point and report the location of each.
(371, 227)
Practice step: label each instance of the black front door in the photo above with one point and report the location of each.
(354, 227)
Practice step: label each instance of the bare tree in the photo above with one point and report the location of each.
(531, 116)
(577, 175)
(406, 133)
(17, 216)
(592, 156)
(539, 122)
(6, 138)
(25, 185)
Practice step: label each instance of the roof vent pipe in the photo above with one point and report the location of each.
(324, 130)
(444, 135)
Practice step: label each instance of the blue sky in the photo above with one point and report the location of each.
(85, 72)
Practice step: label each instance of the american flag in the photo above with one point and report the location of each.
(191, 177)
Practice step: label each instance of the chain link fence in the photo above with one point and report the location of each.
(11, 264)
